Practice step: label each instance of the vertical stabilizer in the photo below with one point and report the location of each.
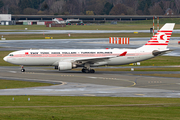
(161, 39)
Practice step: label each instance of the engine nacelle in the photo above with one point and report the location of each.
(65, 66)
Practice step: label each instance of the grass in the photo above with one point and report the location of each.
(77, 36)
(123, 25)
(2, 55)
(134, 25)
(8, 84)
(85, 27)
(73, 36)
(162, 61)
(70, 108)
(75, 27)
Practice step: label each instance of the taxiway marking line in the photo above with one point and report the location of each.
(91, 77)
(89, 95)
(140, 94)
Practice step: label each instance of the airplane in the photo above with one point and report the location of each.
(67, 59)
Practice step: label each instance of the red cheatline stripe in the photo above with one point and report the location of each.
(158, 35)
(156, 39)
(166, 35)
(165, 31)
(169, 34)
(64, 55)
(110, 39)
(156, 44)
(161, 33)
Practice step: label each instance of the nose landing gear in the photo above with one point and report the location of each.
(22, 69)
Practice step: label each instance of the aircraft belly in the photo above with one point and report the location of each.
(34, 61)
(128, 59)
(41, 61)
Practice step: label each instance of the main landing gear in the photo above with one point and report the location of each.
(87, 69)
(22, 69)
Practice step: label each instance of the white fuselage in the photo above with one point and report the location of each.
(52, 57)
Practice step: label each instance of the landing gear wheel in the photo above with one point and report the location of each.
(55, 67)
(86, 71)
(22, 70)
(83, 70)
(92, 71)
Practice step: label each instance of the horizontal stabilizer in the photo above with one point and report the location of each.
(158, 53)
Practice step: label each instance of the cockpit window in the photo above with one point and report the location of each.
(11, 55)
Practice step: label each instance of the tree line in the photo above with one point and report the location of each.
(89, 7)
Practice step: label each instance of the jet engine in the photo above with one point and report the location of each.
(65, 66)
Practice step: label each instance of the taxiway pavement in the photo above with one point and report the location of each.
(75, 83)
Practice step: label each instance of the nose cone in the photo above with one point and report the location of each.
(5, 58)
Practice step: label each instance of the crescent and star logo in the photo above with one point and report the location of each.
(162, 38)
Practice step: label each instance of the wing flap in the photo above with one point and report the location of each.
(98, 59)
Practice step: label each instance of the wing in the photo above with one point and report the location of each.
(90, 60)
(98, 59)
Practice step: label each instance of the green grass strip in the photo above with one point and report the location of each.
(123, 25)
(8, 84)
(89, 108)
(79, 36)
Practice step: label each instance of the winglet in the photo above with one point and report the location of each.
(123, 54)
